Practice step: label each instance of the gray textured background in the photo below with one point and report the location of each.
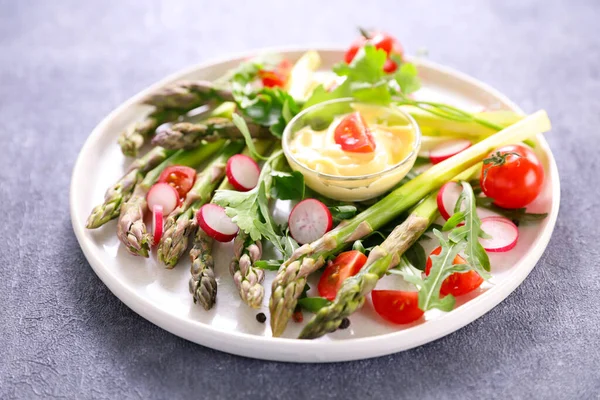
(65, 64)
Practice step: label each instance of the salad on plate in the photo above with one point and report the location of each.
(370, 171)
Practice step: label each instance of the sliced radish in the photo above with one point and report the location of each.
(447, 198)
(164, 195)
(157, 223)
(309, 220)
(242, 172)
(504, 234)
(213, 220)
(447, 149)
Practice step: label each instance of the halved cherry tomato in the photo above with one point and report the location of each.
(512, 175)
(345, 265)
(397, 306)
(277, 77)
(458, 283)
(353, 134)
(180, 177)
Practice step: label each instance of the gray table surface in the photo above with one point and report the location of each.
(65, 64)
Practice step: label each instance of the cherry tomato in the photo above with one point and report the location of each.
(513, 176)
(180, 177)
(390, 66)
(353, 135)
(345, 265)
(277, 77)
(458, 283)
(354, 47)
(381, 41)
(397, 306)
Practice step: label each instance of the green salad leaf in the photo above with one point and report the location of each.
(441, 268)
(250, 210)
(243, 128)
(366, 81)
(465, 212)
(313, 304)
(288, 185)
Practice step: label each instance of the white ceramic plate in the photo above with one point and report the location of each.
(162, 297)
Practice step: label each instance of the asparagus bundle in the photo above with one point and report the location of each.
(131, 228)
(202, 284)
(185, 135)
(121, 191)
(351, 295)
(181, 223)
(291, 277)
(170, 103)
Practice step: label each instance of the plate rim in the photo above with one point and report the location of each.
(295, 350)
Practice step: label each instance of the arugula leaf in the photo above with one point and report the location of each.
(516, 215)
(313, 304)
(441, 268)
(340, 213)
(243, 128)
(466, 212)
(288, 185)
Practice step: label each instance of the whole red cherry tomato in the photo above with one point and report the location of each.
(512, 175)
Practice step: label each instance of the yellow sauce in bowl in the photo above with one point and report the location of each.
(351, 176)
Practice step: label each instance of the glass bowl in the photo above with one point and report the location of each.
(355, 187)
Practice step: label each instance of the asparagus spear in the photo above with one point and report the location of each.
(291, 277)
(181, 223)
(247, 278)
(133, 138)
(122, 190)
(187, 95)
(185, 135)
(351, 295)
(131, 229)
(203, 285)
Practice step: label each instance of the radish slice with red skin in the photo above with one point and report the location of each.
(157, 223)
(242, 172)
(164, 195)
(447, 198)
(447, 149)
(504, 234)
(309, 220)
(213, 220)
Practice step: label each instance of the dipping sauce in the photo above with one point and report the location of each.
(340, 163)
